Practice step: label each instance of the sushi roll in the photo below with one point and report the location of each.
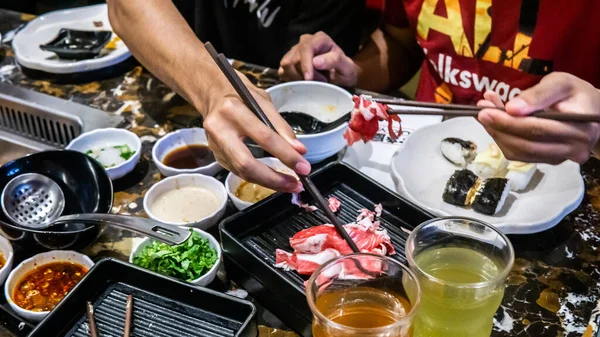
(519, 175)
(458, 152)
(489, 163)
(461, 188)
(491, 195)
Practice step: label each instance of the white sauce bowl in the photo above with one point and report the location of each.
(32, 263)
(233, 181)
(325, 102)
(176, 139)
(106, 138)
(203, 280)
(184, 180)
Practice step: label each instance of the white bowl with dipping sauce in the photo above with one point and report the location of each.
(233, 182)
(8, 255)
(191, 200)
(102, 142)
(182, 139)
(203, 280)
(325, 102)
(31, 264)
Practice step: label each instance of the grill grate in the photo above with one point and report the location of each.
(151, 319)
(277, 235)
(39, 126)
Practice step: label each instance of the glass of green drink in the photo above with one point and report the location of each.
(461, 265)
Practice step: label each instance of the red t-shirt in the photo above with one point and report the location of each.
(472, 47)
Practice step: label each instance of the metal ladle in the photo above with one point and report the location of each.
(35, 201)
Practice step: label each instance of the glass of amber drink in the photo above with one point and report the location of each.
(461, 265)
(360, 295)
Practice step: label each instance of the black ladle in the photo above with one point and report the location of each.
(303, 123)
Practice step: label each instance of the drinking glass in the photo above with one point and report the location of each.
(461, 265)
(361, 295)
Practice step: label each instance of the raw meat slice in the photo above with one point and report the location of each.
(333, 203)
(364, 120)
(314, 245)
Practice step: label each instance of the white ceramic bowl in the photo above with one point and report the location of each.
(183, 180)
(325, 102)
(30, 264)
(203, 280)
(233, 181)
(176, 139)
(7, 251)
(110, 137)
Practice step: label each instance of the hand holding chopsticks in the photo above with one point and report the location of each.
(251, 103)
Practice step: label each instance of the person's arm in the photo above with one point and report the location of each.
(388, 60)
(529, 139)
(159, 37)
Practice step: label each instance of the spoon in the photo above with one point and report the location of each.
(35, 201)
(303, 123)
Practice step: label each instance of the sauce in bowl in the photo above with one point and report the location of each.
(189, 157)
(185, 205)
(250, 192)
(45, 286)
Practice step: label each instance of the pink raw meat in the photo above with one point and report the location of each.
(333, 203)
(364, 120)
(316, 245)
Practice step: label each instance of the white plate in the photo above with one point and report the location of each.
(44, 29)
(421, 172)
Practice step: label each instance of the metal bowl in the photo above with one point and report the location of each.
(85, 185)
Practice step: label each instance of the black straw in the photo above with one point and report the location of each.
(251, 103)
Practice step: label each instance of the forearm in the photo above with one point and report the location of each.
(160, 39)
(389, 60)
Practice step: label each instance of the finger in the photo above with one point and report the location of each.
(273, 143)
(552, 89)
(493, 97)
(532, 128)
(288, 66)
(283, 128)
(485, 104)
(252, 170)
(318, 44)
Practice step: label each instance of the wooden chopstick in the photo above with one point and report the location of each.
(462, 110)
(128, 310)
(251, 103)
(91, 320)
(553, 115)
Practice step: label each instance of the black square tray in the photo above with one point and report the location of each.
(161, 307)
(250, 238)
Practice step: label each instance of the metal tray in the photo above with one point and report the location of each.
(161, 307)
(250, 238)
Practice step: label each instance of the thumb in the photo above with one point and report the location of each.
(551, 90)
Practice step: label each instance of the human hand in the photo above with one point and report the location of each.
(530, 139)
(318, 58)
(228, 122)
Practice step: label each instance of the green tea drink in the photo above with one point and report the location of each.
(447, 310)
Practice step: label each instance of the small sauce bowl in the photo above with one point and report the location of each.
(177, 139)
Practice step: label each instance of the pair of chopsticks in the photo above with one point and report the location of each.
(128, 311)
(251, 103)
(461, 110)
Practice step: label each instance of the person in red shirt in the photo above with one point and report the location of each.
(524, 55)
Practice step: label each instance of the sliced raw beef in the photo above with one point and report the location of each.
(364, 120)
(333, 203)
(317, 245)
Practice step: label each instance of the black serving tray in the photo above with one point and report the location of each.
(250, 238)
(77, 44)
(161, 307)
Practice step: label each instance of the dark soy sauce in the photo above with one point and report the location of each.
(189, 157)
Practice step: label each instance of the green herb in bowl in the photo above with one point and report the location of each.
(187, 261)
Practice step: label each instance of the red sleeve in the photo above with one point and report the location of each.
(394, 14)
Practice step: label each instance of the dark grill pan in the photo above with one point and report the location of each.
(162, 307)
(251, 237)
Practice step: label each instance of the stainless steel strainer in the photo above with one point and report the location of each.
(33, 200)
